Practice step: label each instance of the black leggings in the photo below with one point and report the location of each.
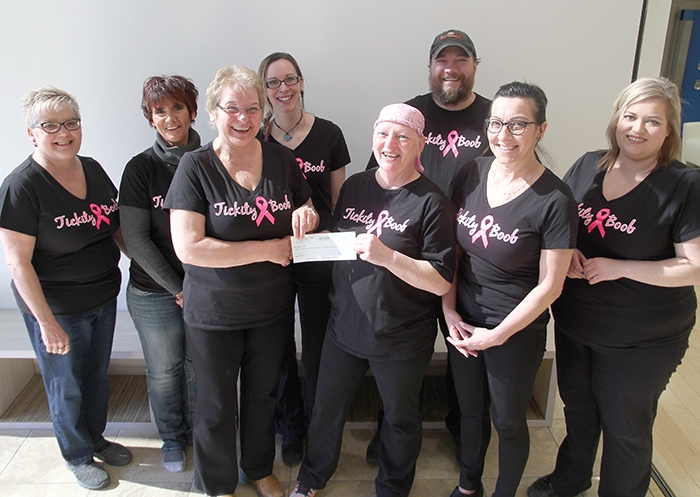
(500, 379)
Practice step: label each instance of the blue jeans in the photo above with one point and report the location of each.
(76, 383)
(169, 370)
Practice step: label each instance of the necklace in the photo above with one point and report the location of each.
(510, 195)
(288, 134)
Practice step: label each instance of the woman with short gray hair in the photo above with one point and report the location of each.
(59, 226)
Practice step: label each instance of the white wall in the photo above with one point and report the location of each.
(356, 55)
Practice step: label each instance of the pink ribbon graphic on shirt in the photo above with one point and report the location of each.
(486, 224)
(599, 218)
(451, 143)
(301, 166)
(377, 226)
(261, 202)
(99, 217)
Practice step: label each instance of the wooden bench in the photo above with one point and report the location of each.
(18, 365)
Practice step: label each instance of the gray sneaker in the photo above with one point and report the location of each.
(89, 475)
(113, 454)
(175, 461)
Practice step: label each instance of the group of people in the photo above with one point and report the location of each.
(465, 227)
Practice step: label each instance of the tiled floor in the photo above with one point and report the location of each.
(30, 465)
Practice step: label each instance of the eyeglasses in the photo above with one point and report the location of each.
(237, 111)
(515, 127)
(52, 127)
(276, 83)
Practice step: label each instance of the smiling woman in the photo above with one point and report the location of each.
(405, 246)
(628, 301)
(516, 231)
(234, 204)
(59, 222)
(322, 155)
(154, 293)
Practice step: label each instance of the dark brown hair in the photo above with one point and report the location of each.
(157, 89)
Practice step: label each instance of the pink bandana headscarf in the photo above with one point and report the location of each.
(407, 116)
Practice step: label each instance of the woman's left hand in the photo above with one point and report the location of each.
(474, 339)
(304, 220)
(600, 269)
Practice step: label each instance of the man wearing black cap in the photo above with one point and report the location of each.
(454, 127)
(454, 114)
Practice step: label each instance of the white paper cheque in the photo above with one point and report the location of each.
(324, 247)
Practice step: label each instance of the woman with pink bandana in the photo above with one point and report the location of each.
(383, 313)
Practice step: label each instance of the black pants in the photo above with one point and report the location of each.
(399, 383)
(616, 391)
(312, 283)
(500, 378)
(217, 357)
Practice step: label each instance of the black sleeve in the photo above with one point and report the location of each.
(136, 228)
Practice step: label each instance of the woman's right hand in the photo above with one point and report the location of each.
(576, 267)
(458, 332)
(55, 339)
(280, 250)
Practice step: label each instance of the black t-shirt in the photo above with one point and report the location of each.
(75, 256)
(454, 138)
(374, 313)
(322, 151)
(641, 225)
(144, 184)
(254, 294)
(501, 245)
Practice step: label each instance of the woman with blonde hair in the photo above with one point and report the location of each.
(234, 204)
(628, 305)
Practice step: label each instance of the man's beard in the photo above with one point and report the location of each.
(452, 96)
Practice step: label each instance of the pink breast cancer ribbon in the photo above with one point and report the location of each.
(377, 226)
(486, 224)
(99, 217)
(599, 218)
(261, 202)
(301, 166)
(451, 143)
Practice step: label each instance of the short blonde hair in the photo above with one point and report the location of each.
(236, 78)
(38, 101)
(643, 89)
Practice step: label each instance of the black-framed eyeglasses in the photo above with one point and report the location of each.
(515, 127)
(276, 83)
(237, 111)
(51, 128)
